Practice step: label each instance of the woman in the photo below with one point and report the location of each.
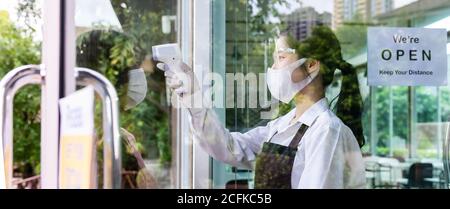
(309, 147)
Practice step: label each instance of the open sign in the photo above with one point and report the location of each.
(407, 56)
(411, 55)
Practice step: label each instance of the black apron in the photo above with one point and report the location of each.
(274, 164)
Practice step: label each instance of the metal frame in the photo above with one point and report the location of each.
(218, 171)
(112, 164)
(32, 74)
(58, 57)
(9, 85)
(183, 144)
(202, 54)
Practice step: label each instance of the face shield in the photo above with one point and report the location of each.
(283, 56)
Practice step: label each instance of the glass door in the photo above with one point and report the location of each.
(115, 38)
(405, 128)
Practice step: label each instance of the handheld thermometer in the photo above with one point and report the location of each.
(168, 53)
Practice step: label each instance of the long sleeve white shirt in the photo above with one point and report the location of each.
(328, 156)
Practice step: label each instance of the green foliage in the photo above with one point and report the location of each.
(426, 98)
(29, 14)
(427, 153)
(382, 151)
(17, 48)
(250, 30)
(426, 112)
(400, 153)
(399, 102)
(110, 52)
(353, 39)
(115, 53)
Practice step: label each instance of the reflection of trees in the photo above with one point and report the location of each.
(111, 53)
(353, 37)
(17, 48)
(426, 109)
(114, 54)
(249, 26)
(28, 13)
(400, 111)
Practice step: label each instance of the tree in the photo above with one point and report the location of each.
(109, 52)
(426, 112)
(17, 48)
(115, 53)
(353, 37)
(250, 26)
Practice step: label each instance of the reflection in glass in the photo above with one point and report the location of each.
(401, 125)
(115, 38)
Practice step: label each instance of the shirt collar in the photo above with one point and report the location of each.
(310, 115)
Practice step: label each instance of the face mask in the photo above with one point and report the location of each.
(137, 88)
(280, 81)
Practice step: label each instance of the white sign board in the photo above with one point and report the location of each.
(77, 145)
(407, 56)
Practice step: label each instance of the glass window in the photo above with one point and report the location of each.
(402, 126)
(115, 39)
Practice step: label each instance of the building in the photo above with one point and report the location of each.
(301, 22)
(359, 10)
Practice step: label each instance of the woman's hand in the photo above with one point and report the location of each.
(181, 80)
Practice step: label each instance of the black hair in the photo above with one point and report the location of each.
(324, 46)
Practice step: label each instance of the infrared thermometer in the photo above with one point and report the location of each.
(168, 53)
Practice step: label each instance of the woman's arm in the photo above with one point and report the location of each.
(237, 149)
(233, 148)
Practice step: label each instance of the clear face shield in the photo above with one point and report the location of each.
(283, 56)
(280, 78)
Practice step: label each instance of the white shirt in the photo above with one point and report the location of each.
(328, 156)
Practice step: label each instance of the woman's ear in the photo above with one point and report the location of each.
(313, 66)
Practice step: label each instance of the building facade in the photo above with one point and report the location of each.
(301, 22)
(359, 10)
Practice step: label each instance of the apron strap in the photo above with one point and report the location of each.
(298, 136)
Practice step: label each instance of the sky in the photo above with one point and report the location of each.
(10, 6)
(87, 12)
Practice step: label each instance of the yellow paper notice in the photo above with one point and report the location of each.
(76, 162)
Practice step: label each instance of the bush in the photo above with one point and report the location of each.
(17, 48)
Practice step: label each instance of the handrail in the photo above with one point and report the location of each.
(33, 74)
(111, 152)
(9, 85)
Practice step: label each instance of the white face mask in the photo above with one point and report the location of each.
(280, 81)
